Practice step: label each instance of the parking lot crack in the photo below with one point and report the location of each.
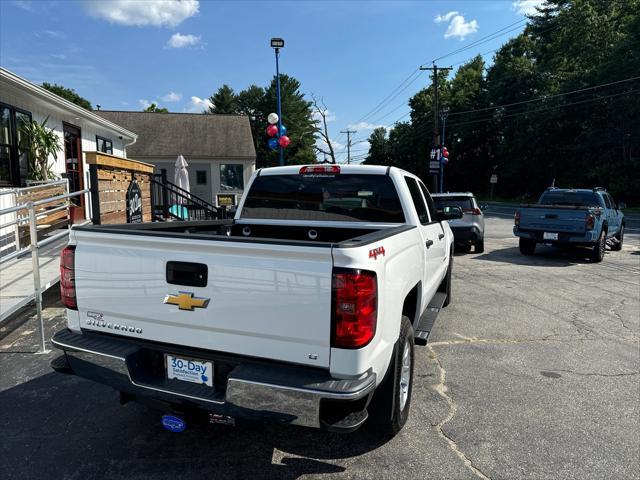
(441, 388)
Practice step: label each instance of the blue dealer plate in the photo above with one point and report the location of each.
(189, 370)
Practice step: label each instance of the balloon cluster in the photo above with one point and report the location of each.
(277, 138)
(445, 155)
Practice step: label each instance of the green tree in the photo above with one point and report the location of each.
(297, 117)
(378, 148)
(223, 101)
(69, 94)
(155, 109)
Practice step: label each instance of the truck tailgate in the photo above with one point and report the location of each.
(551, 219)
(266, 300)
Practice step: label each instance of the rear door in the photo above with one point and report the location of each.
(554, 219)
(434, 240)
(266, 300)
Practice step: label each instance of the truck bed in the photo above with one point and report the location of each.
(225, 230)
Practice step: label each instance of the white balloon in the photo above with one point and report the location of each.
(272, 118)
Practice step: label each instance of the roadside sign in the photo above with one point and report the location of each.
(434, 167)
(494, 179)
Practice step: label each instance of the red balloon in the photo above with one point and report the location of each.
(272, 130)
(284, 141)
(445, 152)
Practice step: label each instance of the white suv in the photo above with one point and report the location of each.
(469, 230)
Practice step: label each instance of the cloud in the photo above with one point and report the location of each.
(24, 4)
(145, 103)
(331, 117)
(178, 40)
(198, 105)
(157, 13)
(528, 7)
(458, 26)
(364, 126)
(445, 18)
(171, 97)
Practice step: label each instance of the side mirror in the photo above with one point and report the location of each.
(449, 213)
(621, 205)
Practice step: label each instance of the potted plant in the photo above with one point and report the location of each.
(39, 142)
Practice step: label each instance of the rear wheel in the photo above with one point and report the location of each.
(391, 401)
(479, 246)
(617, 246)
(527, 246)
(597, 251)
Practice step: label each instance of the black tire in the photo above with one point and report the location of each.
(445, 285)
(479, 248)
(527, 246)
(386, 408)
(617, 246)
(597, 251)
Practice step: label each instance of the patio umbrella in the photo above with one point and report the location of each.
(181, 174)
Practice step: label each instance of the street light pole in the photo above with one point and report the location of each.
(277, 44)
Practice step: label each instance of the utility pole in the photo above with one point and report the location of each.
(348, 132)
(436, 132)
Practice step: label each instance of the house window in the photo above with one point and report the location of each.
(14, 161)
(201, 177)
(231, 177)
(104, 145)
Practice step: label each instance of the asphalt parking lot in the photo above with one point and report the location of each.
(532, 372)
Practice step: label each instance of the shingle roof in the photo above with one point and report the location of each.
(188, 134)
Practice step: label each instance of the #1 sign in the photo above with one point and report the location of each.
(134, 203)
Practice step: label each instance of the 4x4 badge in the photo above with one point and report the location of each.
(186, 301)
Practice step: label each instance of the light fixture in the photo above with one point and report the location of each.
(277, 43)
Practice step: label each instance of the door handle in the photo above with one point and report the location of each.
(428, 243)
(440, 236)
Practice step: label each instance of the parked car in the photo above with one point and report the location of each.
(571, 217)
(468, 231)
(304, 309)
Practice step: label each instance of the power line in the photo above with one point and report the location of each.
(484, 39)
(544, 97)
(410, 78)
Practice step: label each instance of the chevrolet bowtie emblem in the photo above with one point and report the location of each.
(186, 301)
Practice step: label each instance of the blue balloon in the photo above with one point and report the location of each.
(273, 143)
(283, 130)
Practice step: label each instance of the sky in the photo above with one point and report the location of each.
(125, 54)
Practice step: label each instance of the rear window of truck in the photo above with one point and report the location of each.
(568, 198)
(337, 197)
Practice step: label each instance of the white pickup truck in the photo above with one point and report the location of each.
(303, 309)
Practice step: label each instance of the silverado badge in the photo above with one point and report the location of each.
(186, 301)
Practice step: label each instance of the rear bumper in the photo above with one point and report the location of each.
(466, 235)
(243, 388)
(564, 238)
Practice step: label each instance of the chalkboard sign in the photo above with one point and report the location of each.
(134, 203)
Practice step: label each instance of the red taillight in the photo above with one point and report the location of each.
(473, 211)
(516, 218)
(355, 308)
(590, 221)
(326, 169)
(68, 277)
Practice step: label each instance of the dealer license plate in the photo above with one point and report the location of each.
(189, 370)
(549, 236)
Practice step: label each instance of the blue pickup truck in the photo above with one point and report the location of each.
(571, 217)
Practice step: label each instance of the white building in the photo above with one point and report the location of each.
(79, 131)
(218, 148)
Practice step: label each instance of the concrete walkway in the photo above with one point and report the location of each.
(16, 277)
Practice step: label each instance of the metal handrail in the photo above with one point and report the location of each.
(34, 187)
(185, 193)
(35, 245)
